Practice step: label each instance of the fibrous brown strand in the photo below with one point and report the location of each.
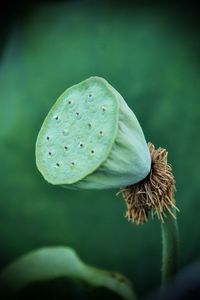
(155, 193)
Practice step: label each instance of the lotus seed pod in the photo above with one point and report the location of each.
(91, 139)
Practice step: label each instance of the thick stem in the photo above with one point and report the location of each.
(170, 244)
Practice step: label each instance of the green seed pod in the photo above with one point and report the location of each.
(91, 139)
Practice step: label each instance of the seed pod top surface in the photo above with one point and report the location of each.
(78, 132)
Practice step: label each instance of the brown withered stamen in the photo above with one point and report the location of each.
(155, 193)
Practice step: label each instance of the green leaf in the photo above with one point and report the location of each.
(58, 262)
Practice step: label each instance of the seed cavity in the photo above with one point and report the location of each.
(66, 147)
(101, 133)
(69, 102)
(92, 151)
(57, 165)
(56, 118)
(103, 108)
(50, 153)
(81, 145)
(89, 125)
(48, 138)
(73, 163)
(78, 115)
(90, 97)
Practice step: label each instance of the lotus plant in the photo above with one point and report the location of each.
(91, 139)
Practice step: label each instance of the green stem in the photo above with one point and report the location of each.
(170, 244)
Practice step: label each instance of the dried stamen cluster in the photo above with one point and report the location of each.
(153, 194)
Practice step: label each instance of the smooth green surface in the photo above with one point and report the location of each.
(60, 262)
(170, 248)
(152, 58)
(78, 132)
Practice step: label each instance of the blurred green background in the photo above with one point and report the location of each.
(150, 54)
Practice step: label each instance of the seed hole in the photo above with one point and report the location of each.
(57, 165)
(50, 153)
(78, 116)
(90, 97)
(92, 151)
(69, 102)
(89, 125)
(66, 148)
(81, 145)
(48, 138)
(56, 117)
(73, 163)
(104, 108)
(101, 132)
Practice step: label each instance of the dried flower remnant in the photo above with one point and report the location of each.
(155, 193)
